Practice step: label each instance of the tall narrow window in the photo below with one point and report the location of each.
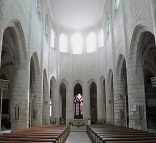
(78, 102)
(101, 38)
(109, 27)
(117, 2)
(38, 6)
(76, 42)
(46, 26)
(91, 42)
(52, 42)
(50, 108)
(63, 43)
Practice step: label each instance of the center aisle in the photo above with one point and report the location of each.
(78, 137)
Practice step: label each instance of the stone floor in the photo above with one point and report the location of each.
(78, 137)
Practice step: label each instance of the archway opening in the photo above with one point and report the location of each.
(32, 95)
(10, 61)
(78, 102)
(124, 96)
(148, 54)
(104, 94)
(5, 114)
(93, 102)
(110, 99)
(63, 103)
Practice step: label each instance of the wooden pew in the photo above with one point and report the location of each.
(42, 134)
(116, 134)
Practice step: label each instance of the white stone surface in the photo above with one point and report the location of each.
(78, 137)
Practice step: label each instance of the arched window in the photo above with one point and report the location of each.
(78, 101)
(101, 38)
(46, 26)
(109, 27)
(38, 5)
(117, 2)
(63, 43)
(52, 42)
(91, 42)
(76, 42)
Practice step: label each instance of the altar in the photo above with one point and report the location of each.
(78, 122)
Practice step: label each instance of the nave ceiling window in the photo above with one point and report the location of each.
(76, 42)
(91, 42)
(101, 38)
(46, 26)
(38, 6)
(63, 43)
(117, 2)
(52, 38)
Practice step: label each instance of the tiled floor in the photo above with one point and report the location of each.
(78, 137)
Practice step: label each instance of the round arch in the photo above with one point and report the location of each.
(15, 28)
(35, 92)
(78, 82)
(91, 81)
(141, 62)
(13, 57)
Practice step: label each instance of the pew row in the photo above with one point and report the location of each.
(116, 134)
(41, 134)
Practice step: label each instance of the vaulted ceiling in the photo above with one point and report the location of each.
(77, 14)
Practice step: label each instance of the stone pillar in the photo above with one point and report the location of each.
(119, 102)
(100, 102)
(109, 104)
(153, 3)
(46, 105)
(20, 100)
(31, 103)
(86, 102)
(38, 100)
(1, 41)
(136, 95)
(55, 103)
(69, 103)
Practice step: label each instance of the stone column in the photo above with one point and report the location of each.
(46, 105)
(109, 104)
(31, 103)
(20, 99)
(136, 95)
(119, 102)
(86, 102)
(55, 103)
(38, 100)
(69, 103)
(100, 102)
(153, 4)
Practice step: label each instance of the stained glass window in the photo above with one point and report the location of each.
(78, 101)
